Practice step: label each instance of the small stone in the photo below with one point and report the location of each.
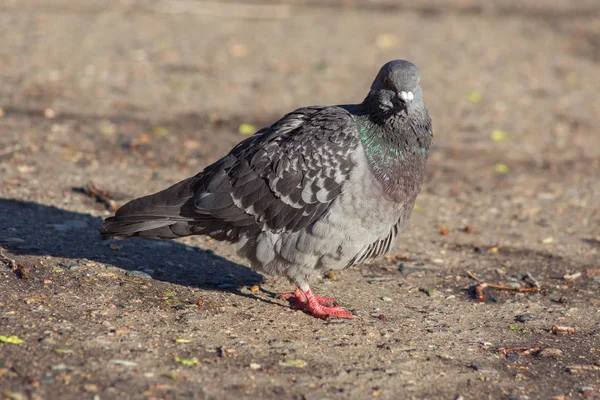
(49, 113)
(430, 292)
(584, 388)
(190, 318)
(124, 363)
(476, 366)
(48, 341)
(138, 274)
(525, 318)
(405, 268)
(550, 353)
(387, 299)
(296, 363)
(255, 366)
(90, 387)
(71, 265)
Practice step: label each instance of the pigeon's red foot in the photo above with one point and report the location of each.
(317, 306)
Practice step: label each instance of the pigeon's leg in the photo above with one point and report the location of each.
(299, 299)
(307, 301)
(296, 297)
(318, 310)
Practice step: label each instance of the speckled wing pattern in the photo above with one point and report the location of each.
(281, 179)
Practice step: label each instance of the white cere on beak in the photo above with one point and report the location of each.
(407, 96)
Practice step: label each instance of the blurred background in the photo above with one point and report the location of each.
(134, 95)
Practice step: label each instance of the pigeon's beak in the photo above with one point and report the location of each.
(406, 97)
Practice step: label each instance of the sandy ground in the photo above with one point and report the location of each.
(136, 95)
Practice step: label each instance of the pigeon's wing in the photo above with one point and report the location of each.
(283, 178)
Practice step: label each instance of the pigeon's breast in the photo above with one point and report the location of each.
(362, 214)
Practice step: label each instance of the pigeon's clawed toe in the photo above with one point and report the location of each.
(317, 306)
(321, 189)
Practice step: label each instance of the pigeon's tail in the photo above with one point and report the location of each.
(163, 215)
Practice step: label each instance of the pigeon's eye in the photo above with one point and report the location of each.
(387, 81)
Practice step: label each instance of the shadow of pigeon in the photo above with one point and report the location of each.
(28, 228)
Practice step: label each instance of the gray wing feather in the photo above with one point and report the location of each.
(284, 177)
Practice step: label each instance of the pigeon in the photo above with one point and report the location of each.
(322, 189)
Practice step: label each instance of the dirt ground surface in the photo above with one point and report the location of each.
(136, 95)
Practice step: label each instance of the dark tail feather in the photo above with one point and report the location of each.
(164, 215)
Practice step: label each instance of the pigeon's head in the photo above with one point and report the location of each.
(396, 86)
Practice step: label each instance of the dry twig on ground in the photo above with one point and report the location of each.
(567, 329)
(501, 287)
(522, 350)
(101, 196)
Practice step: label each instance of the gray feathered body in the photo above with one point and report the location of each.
(321, 189)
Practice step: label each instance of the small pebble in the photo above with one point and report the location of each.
(430, 292)
(191, 318)
(388, 299)
(584, 388)
(124, 363)
(138, 274)
(525, 318)
(255, 366)
(71, 265)
(49, 113)
(550, 353)
(476, 366)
